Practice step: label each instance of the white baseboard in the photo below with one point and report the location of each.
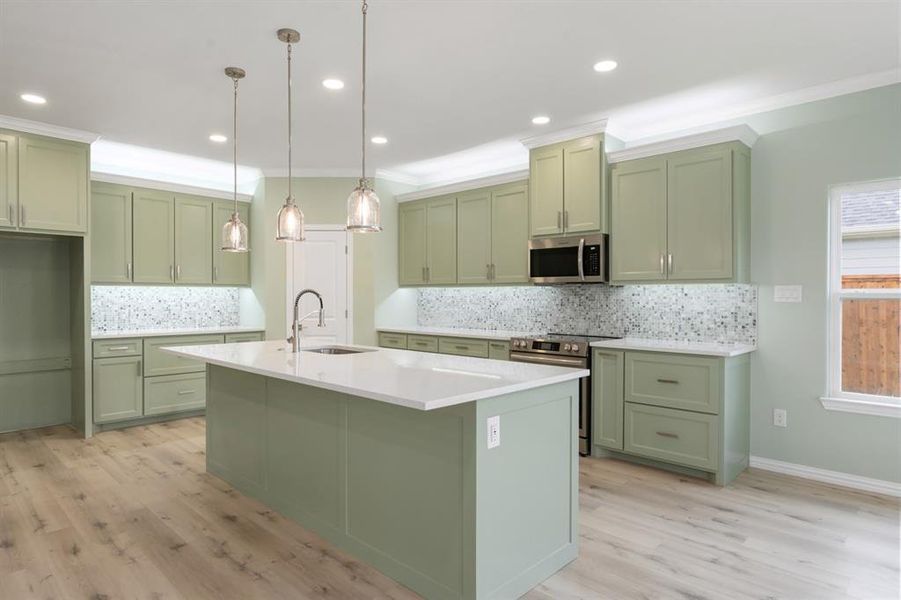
(867, 484)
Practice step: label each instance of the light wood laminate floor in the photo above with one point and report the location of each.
(132, 514)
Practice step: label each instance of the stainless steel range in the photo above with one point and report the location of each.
(562, 350)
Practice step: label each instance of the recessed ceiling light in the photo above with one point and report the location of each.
(218, 138)
(541, 120)
(605, 66)
(33, 99)
(379, 139)
(333, 84)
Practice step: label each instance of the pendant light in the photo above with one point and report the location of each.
(234, 232)
(290, 226)
(363, 203)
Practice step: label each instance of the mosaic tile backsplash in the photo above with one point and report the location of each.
(121, 308)
(698, 313)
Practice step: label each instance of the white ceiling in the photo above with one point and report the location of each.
(444, 77)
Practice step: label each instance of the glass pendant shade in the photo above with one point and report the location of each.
(234, 235)
(290, 226)
(363, 210)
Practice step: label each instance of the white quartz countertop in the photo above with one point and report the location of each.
(420, 380)
(484, 334)
(112, 335)
(724, 349)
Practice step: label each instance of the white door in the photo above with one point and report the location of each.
(322, 263)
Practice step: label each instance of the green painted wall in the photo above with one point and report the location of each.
(323, 201)
(803, 151)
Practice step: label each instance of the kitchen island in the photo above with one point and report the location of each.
(455, 476)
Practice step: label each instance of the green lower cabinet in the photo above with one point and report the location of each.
(163, 363)
(174, 393)
(499, 350)
(673, 409)
(251, 336)
(422, 343)
(392, 340)
(463, 347)
(118, 389)
(607, 399)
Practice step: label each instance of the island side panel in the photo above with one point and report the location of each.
(527, 489)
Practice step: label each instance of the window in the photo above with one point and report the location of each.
(865, 298)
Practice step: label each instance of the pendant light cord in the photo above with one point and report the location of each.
(235, 140)
(290, 195)
(363, 145)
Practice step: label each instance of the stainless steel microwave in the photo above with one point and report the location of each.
(573, 259)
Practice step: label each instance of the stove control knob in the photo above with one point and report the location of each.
(566, 347)
(575, 347)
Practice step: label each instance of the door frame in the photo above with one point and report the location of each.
(289, 269)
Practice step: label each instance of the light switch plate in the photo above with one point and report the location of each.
(494, 431)
(787, 293)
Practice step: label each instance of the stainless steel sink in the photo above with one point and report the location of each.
(334, 350)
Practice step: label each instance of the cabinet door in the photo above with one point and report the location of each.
(53, 185)
(193, 240)
(638, 227)
(154, 236)
(111, 258)
(699, 214)
(546, 186)
(441, 240)
(474, 237)
(118, 389)
(229, 268)
(582, 185)
(510, 234)
(9, 175)
(411, 243)
(607, 399)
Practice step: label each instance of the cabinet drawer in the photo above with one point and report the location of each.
(163, 363)
(463, 347)
(174, 393)
(251, 336)
(392, 340)
(676, 436)
(423, 343)
(109, 348)
(684, 382)
(499, 350)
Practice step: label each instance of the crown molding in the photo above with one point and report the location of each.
(397, 177)
(465, 186)
(857, 482)
(738, 133)
(54, 131)
(167, 186)
(563, 135)
(337, 172)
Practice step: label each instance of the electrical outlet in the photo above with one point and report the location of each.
(494, 431)
(780, 417)
(788, 293)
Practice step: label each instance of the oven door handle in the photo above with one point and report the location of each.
(579, 258)
(558, 361)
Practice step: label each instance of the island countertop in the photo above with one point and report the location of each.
(418, 380)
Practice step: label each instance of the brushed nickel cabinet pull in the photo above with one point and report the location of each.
(462, 347)
(128, 270)
(667, 434)
(171, 273)
(215, 273)
(669, 262)
(428, 274)
(667, 381)
(186, 392)
(178, 272)
(662, 267)
(117, 348)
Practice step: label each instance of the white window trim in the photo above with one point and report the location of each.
(835, 398)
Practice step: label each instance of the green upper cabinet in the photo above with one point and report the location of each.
(638, 231)
(193, 240)
(154, 236)
(441, 240)
(493, 234)
(546, 181)
(682, 216)
(699, 215)
(229, 268)
(8, 180)
(510, 233)
(566, 183)
(111, 257)
(583, 171)
(474, 239)
(411, 250)
(52, 185)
